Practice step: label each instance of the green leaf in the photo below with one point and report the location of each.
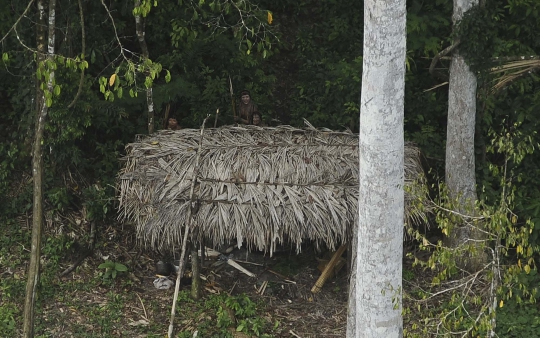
(120, 267)
(148, 82)
(56, 90)
(5, 57)
(106, 265)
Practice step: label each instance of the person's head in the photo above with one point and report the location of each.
(172, 123)
(257, 118)
(245, 96)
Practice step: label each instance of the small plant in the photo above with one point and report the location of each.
(112, 269)
(408, 275)
(7, 321)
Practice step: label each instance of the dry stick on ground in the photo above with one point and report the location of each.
(186, 232)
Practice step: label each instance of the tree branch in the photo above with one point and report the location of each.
(83, 51)
(437, 57)
(17, 22)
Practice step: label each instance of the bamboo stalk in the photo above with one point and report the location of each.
(186, 232)
(328, 270)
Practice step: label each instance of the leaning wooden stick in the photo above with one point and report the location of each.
(186, 232)
(232, 97)
(328, 270)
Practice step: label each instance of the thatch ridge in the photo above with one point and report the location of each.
(261, 186)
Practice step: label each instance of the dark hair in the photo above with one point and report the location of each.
(256, 113)
(245, 92)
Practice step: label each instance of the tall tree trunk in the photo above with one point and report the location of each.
(460, 158)
(37, 163)
(375, 301)
(139, 25)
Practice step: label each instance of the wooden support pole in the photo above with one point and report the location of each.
(195, 273)
(186, 232)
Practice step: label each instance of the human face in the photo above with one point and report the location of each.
(256, 119)
(245, 99)
(173, 123)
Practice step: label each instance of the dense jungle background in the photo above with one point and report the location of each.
(300, 60)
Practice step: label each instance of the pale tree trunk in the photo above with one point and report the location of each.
(37, 164)
(375, 300)
(139, 24)
(460, 173)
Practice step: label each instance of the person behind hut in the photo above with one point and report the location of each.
(246, 108)
(257, 119)
(172, 124)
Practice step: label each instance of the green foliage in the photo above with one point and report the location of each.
(98, 202)
(112, 269)
(244, 311)
(7, 320)
(468, 300)
(516, 320)
(54, 249)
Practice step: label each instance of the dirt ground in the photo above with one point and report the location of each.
(287, 279)
(130, 305)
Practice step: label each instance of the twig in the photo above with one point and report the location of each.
(186, 232)
(234, 285)
(144, 309)
(246, 262)
(262, 288)
(277, 274)
(294, 334)
(83, 53)
(115, 30)
(18, 20)
(435, 60)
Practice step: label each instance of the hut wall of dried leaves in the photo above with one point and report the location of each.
(259, 186)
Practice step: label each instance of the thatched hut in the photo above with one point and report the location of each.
(259, 186)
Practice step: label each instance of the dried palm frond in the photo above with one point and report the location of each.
(513, 70)
(259, 186)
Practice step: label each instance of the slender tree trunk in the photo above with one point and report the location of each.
(375, 301)
(144, 48)
(37, 163)
(460, 157)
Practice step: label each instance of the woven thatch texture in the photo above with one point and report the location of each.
(264, 186)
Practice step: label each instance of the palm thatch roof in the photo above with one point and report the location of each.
(259, 186)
